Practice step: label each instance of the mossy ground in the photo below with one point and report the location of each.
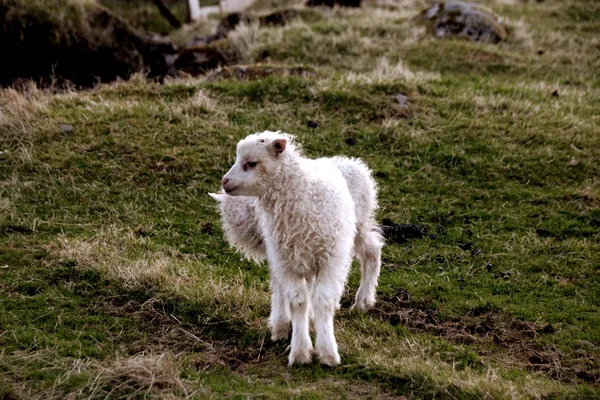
(115, 279)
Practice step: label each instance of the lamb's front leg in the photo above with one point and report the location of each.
(279, 321)
(298, 296)
(326, 294)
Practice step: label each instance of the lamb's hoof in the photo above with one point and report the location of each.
(279, 332)
(363, 304)
(301, 357)
(329, 358)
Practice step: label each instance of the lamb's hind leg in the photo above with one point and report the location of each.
(368, 244)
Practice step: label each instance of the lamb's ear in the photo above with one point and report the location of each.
(278, 146)
(218, 197)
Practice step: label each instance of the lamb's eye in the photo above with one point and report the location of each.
(251, 164)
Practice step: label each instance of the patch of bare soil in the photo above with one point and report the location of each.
(215, 340)
(508, 340)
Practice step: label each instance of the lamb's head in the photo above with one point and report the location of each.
(258, 156)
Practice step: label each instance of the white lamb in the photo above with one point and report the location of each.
(308, 217)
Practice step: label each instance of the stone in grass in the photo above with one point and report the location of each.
(66, 128)
(463, 20)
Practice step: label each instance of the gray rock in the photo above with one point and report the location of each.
(66, 128)
(463, 20)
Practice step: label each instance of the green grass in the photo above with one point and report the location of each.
(115, 279)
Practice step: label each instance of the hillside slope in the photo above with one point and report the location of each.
(115, 280)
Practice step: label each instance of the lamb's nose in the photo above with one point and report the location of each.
(225, 180)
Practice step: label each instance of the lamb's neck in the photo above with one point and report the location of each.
(287, 182)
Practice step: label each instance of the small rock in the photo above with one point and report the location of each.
(555, 93)
(402, 100)
(312, 124)
(66, 128)
(350, 141)
(574, 162)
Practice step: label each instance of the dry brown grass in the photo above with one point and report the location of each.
(131, 260)
(419, 356)
(385, 72)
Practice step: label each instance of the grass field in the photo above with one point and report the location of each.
(115, 280)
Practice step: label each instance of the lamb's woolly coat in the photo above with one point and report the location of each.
(307, 215)
(240, 220)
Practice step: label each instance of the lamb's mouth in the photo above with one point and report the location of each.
(231, 190)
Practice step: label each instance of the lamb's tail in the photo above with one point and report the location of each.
(367, 245)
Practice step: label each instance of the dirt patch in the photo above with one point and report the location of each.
(401, 233)
(509, 340)
(217, 341)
